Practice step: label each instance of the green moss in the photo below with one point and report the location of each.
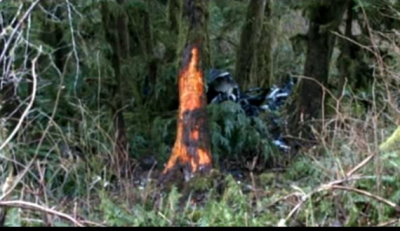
(267, 178)
(204, 181)
(392, 142)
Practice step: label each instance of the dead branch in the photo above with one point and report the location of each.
(32, 206)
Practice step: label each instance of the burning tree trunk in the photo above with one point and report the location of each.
(191, 151)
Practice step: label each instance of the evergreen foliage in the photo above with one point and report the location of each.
(103, 122)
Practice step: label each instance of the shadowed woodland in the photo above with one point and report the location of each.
(200, 113)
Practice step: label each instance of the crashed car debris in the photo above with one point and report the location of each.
(222, 87)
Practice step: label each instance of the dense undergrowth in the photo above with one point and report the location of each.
(64, 151)
(303, 192)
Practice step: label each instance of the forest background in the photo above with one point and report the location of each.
(89, 104)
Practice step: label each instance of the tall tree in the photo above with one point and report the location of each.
(350, 62)
(348, 51)
(174, 17)
(262, 73)
(191, 151)
(174, 14)
(324, 16)
(117, 35)
(152, 60)
(249, 41)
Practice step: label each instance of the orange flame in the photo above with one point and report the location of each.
(191, 98)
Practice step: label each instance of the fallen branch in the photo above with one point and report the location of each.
(391, 222)
(367, 194)
(35, 207)
(335, 185)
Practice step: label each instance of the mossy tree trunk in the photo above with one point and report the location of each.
(175, 11)
(174, 14)
(191, 152)
(249, 42)
(351, 62)
(262, 75)
(347, 57)
(194, 28)
(151, 59)
(324, 17)
(117, 35)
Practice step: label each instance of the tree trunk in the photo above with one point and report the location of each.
(175, 10)
(174, 14)
(347, 58)
(263, 68)
(324, 17)
(151, 59)
(117, 35)
(249, 41)
(191, 150)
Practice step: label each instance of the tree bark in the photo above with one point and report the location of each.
(263, 69)
(151, 59)
(324, 16)
(174, 14)
(249, 41)
(347, 57)
(191, 151)
(116, 28)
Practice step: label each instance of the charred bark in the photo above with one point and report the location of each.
(194, 29)
(191, 152)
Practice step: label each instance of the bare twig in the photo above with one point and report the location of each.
(331, 185)
(73, 45)
(93, 223)
(355, 42)
(367, 194)
(391, 222)
(33, 95)
(27, 13)
(360, 165)
(25, 114)
(32, 206)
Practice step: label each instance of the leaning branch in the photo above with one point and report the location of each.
(24, 115)
(27, 110)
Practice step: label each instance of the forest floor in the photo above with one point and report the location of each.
(314, 190)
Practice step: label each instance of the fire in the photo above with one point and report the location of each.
(191, 149)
